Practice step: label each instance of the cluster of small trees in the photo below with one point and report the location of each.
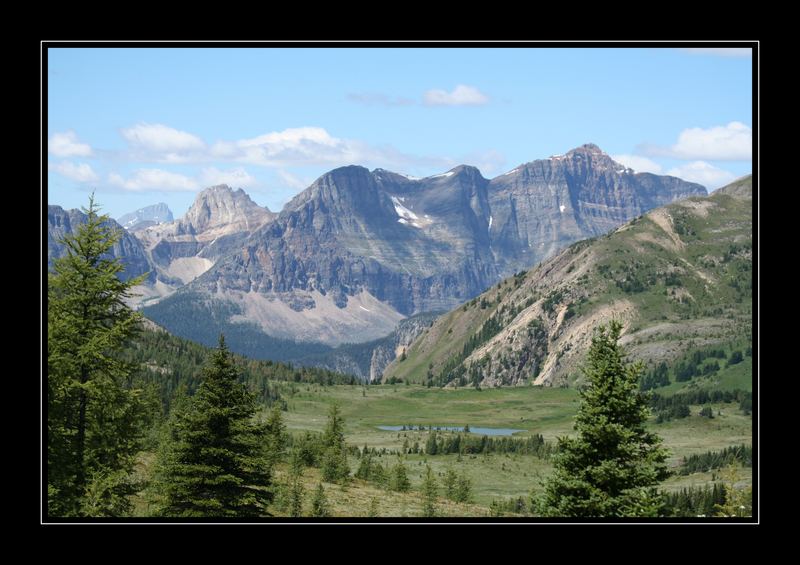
(446, 444)
(741, 454)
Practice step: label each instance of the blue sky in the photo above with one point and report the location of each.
(141, 126)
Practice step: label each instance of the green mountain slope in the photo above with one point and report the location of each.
(678, 277)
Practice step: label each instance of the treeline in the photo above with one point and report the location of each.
(677, 405)
(169, 363)
(709, 460)
(695, 501)
(701, 362)
(437, 444)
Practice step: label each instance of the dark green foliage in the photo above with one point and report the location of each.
(658, 377)
(447, 443)
(95, 413)
(677, 405)
(334, 461)
(429, 492)
(215, 461)
(370, 470)
(276, 438)
(735, 358)
(398, 478)
(168, 362)
(450, 483)
(295, 491)
(742, 454)
(609, 469)
(694, 502)
(431, 447)
(696, 364)
(463, 490)
(319, 504)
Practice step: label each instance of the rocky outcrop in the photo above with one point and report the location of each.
(543, 206)
(61, 222)
(219, 220)
(396, 343)
(146, 217)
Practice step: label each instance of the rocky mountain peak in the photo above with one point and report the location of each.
(587, 149)
(221, 207)
(591, 155)
(147, 216)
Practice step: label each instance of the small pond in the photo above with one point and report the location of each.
(479, 431)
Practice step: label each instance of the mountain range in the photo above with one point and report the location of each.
(679, 278)
(358, 251)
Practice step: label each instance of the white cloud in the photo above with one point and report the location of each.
(638, 164)
(462, 95)
(720, 51)
(703, 173)
(236, 178)
(66, 144)
(154, 179)
(488, 162)
(80, 172)
(732, 142)
(169, 144)
(293, 181)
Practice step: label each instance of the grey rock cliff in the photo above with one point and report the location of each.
(61, 222)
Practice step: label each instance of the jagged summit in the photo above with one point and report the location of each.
(219, 207)
(587, 148)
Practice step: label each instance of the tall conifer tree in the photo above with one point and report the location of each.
(216, 461)
(610, 467)
(94, 418)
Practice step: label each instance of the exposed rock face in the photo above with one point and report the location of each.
(61, 222)
(404, 245)
(416, 245)
(678, 278)
(146, 217)
(543, 206)
(397, 343)
(219, 220)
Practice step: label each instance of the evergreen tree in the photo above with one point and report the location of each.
(275, 431)
(463, 489)
(296, 490)
(399, 478)
(94, 417)
(319, 505)
(429, 489)
(450, 483)
(607, 470)
(334, 460)
(215, 461)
